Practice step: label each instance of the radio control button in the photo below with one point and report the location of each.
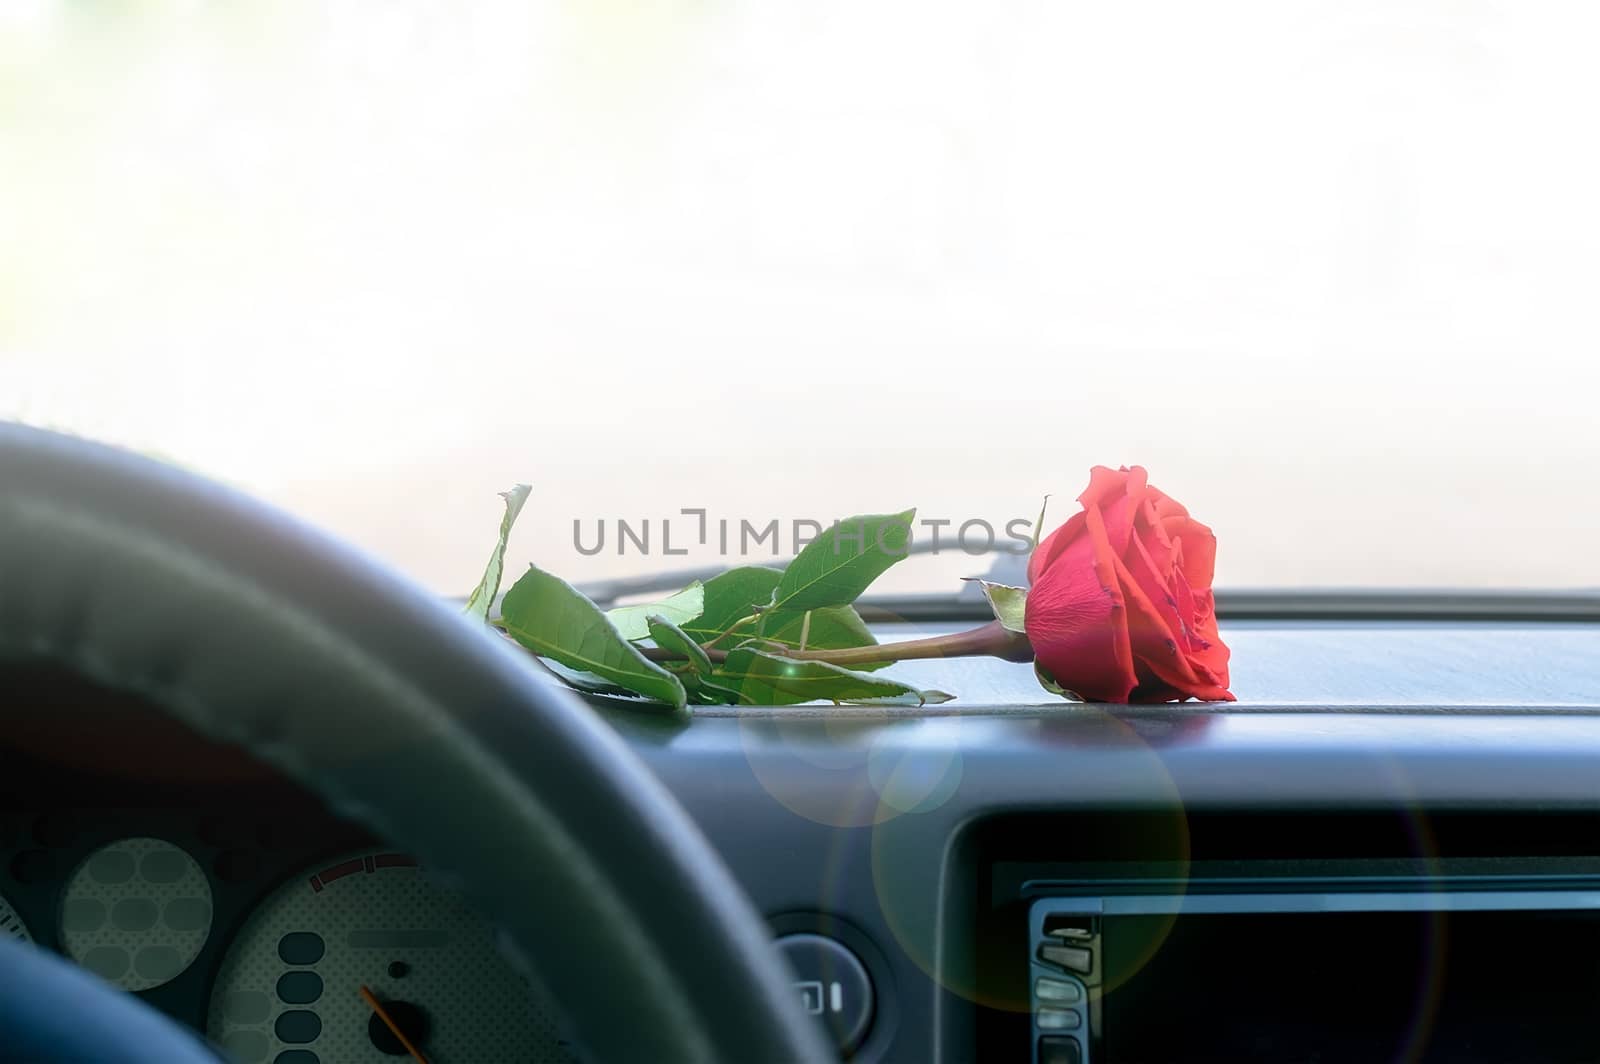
(1060, 1049)
(1057, 991)
(1072, 928)
(1072, 958)
(1058, 1019)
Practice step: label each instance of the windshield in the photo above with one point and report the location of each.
(1325, 270)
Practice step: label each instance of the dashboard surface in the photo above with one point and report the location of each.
(1323, 664)
(918, 838)
(1415, 751)
(921, 833)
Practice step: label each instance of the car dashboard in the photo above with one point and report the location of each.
(1388, 849)
(234, 901)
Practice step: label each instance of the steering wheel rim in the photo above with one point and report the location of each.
(255, 630)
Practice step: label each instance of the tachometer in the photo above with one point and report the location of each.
(366, 959)
(11, 925)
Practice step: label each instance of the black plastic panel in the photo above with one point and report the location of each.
(924, 832)
(922, 837)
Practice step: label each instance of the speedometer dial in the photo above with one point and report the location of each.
(11, 925)
(364, 959)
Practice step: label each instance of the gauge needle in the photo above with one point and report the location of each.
(394, 1028)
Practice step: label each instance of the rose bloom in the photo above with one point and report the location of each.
(1120, 608)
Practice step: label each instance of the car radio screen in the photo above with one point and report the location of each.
(1359, 987)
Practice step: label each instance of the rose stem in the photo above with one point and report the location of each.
(989, 640)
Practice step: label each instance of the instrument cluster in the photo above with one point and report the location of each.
(290, 939)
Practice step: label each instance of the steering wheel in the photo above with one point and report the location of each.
(432, 732)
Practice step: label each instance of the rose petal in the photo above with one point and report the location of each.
(1209, 653)
(1117, 494)
(1161, 585)
(1046, 552)
(1166, 505)
(1076, 618)
(1153, 534)
(1157, 650)
(1105, 485)
(1198, 546)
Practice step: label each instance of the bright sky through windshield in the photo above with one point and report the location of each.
(1326, 269)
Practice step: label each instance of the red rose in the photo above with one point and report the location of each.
(1120, 608)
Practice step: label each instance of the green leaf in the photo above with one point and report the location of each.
(729, 598)
(738, 593)
(1038, 526)
(587, 682)
(755, 678)
(669, 636)
(831, 628)
(837, 566)
(679, 608)
(1008, 603)
(1048, 682)
(483, 595)
(554, 620)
